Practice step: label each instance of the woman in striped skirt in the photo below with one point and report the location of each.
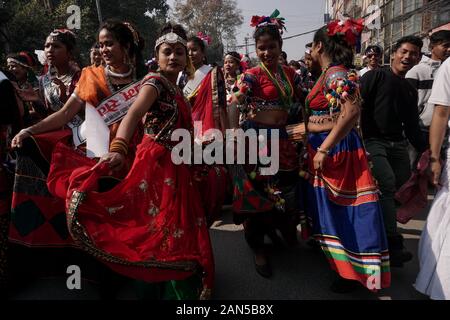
(345, 213)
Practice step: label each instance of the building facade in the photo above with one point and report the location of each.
(394, 19)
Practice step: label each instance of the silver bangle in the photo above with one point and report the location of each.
(28, 130)
(76, 97)
(324, 151)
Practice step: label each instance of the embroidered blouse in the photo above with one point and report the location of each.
(263, 91)
(161, 119)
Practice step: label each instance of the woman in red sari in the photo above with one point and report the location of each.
(36, 215)
(151, 226)
(39, 219)
(207, 96)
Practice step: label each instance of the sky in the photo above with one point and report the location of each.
(301, 16)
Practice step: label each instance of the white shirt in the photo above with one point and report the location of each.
(363, 70)
(440, 94)
(2, 76)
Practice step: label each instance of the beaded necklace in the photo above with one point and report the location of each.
(114, 88)
(118, 75)
(284, 89)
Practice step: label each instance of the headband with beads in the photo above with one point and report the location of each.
(57, 32)
(9, 60)
(232, 57)
(171, 38)
(58, 35)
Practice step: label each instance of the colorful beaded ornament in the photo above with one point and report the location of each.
(341, 89)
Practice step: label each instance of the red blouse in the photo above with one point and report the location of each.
(261, 85)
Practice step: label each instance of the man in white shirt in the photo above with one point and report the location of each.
(422, 77)
(434, 259)
(373, 53)
(440, 95)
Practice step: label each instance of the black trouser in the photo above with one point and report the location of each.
(391, 169)
(266, 223)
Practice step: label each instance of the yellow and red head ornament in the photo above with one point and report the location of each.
(273, 19)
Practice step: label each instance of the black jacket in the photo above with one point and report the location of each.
(389, 110)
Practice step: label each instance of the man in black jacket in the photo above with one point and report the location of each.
(390, 119)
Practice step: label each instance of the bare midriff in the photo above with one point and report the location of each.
(271, 117)
(321, 123)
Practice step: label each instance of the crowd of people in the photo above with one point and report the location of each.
(88, 176)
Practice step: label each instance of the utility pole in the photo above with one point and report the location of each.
(246, 45)
(99, 11)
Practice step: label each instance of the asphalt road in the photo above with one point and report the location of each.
(300, 273)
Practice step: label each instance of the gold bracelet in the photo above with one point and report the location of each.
(27, 130)
(119, 149)
(119, 145)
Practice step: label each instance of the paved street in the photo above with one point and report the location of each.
(300, 273)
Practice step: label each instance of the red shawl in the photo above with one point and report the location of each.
(209, 104)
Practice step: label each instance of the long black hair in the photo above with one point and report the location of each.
(127, 36)
(336, 47)
(269, 29)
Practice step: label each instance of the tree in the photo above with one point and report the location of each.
(29, 21)
(86, 35)
(217, 18)
(147, 15)
(26, 27)
(5, 16)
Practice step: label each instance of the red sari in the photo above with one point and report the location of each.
(151, 225)
(38, 218)
(209, 106)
